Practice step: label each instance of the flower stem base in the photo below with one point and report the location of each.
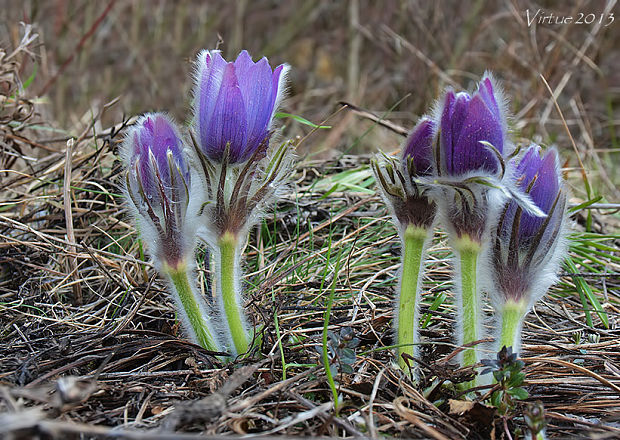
(470, 312)
(408, 320)
(229, 292)
(512, 314)
(188, 298)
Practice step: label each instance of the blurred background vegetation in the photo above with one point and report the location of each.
(391, 57)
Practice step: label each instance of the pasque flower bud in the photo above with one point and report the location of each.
(465, 121)
(405, 195)
(157, 181)
(527, 250)
(472, 144)
(160, 188)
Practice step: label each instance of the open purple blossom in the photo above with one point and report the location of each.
(527, 250)
(465, 122)
(157, 182)
(234, 104)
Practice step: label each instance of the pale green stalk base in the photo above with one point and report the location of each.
(228, 247)
(470, 296)
(541, 435)
(179, 279)
(512, 314)
(408, 323)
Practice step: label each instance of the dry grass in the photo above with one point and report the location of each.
(118, 359)
(107, 358)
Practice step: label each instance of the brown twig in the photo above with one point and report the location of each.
(72, 263)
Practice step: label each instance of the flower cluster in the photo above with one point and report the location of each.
(505, 212)
(505, 215)
(213, 187)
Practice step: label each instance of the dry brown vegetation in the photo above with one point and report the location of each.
(89, 344)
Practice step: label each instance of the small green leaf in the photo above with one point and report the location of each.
(281, 115)
(31, 77)
(347, 369)
(516, 380)
(347, 356)
(439, 300)
(496, 399)
(518, 393)
(585, 204)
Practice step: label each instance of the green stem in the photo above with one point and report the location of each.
(325, 351)
(228, 288)
(279, 336)
(512, 313)
(191, 308)
(408, 322)
(471, 305)
(326, 316)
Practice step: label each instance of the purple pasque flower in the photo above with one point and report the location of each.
(398, 179)
(234, 104)
(469, 160)
(157, 184)
(466, 121)
(526, 250)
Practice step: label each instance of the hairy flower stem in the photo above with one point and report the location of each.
(408, 321)
(469, 313)
(228, 287)
(512, 314)
(189, 299)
